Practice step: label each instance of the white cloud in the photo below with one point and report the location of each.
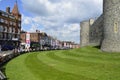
(33, 28)
(60, 18)
(26, 20)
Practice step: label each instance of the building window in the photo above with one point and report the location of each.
(5, 29)
(1, 35)
(18, 37)
(3, 14)
(12, 17)
(6, 15)
(18, 31)
(1, 20)
(13, 30)
(9, 36)
(19, 19)
(5, 36)
(10, 22)
(13, 36)
(10, 29)
(19, 24)
(0, 13)
(1, 28)
(6, 21)
(14, 23)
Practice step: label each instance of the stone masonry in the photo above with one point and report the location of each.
(96, 32)
(91, 32)
(111, 10)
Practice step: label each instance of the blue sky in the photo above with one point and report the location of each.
(58, 18)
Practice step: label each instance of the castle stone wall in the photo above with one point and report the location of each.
(111, 41)
(91, 32)
(96, 32)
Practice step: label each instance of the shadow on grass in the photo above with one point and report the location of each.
(98, 47)
(3, 71)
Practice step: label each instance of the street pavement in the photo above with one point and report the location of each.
(4, 53)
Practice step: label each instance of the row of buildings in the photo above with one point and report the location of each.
(12, 37)
(41, 40)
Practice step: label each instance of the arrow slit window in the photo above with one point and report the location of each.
(115, 27)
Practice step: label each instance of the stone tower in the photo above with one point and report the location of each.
(84, 33)
(111, 12)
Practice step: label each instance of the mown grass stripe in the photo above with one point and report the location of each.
(97, 55)
(82, 63)
(46, 72)
(85, 58)
(73, 61)
(84, 71)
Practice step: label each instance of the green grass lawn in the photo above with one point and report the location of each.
(88, 63)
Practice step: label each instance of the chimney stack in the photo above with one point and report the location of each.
(8, 9)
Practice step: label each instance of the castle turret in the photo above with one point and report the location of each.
(84, 33)
(111, 40)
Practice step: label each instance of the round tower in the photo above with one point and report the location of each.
(111, 12)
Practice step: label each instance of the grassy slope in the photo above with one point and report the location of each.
(79, 64)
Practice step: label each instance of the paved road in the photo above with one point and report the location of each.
(4, 53)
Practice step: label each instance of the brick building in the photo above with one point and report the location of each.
(35, 38)
(10, 27)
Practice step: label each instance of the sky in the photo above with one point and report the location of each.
(58, 18)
